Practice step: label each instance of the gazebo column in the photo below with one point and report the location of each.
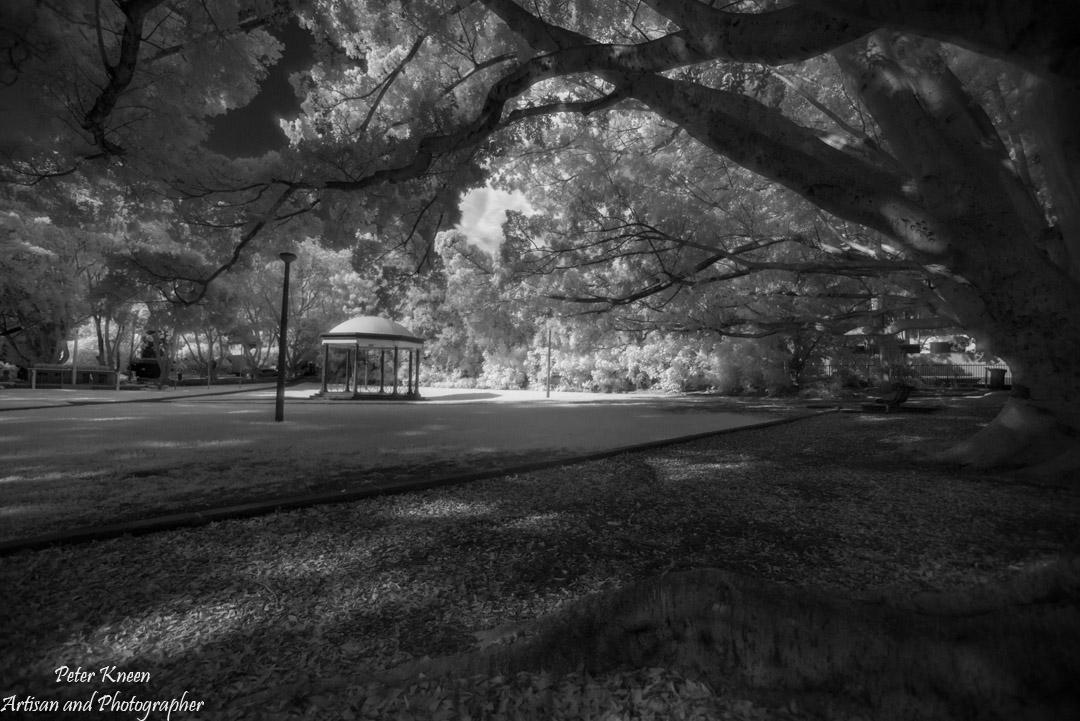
(416, 372)
(354, 366)
(345, 368)
(382, 370)
(408, 386)
(367, 362)
(396, 368)
(325, 365)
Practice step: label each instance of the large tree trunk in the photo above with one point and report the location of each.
(1027, 314)
(952, 198)
(990, 653)
(992, 231)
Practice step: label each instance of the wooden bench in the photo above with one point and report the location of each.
(892, 399)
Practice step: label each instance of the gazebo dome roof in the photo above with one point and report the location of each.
(372, 330)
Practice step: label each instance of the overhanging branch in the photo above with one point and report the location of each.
(120, 74)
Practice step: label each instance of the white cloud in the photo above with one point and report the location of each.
(483, 213)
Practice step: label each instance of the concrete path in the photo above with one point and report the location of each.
(17, 399)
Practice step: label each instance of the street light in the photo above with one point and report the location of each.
(547, 390)
(279, 405)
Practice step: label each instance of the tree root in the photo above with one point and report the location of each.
(1064, 466)
(1021, 437)
(994, 653)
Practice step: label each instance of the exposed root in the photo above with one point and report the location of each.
(1064, 467)
(1022, 436)
(991, 654)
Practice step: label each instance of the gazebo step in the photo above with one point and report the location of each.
(351, 396)
(335, 395)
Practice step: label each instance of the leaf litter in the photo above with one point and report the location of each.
(292, 615)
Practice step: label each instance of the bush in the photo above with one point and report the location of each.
(672, 363)
(504, 370)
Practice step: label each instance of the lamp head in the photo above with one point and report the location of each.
(287, 256)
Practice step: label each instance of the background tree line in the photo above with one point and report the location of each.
(486, 318)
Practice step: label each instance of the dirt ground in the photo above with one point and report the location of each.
(286, 616)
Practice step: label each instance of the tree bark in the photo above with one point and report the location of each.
(1040, 36)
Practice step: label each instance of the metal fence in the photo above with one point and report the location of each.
(945, 375)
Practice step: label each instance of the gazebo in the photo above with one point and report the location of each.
(363, 358)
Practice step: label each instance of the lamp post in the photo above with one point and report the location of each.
(75, 361)
(547, 385)
(279, 405)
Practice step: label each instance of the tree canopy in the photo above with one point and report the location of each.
(831, 150)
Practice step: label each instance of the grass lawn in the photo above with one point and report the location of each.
(129, 488)
(97, 464)
(284, 616)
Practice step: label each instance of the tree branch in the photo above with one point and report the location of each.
(384, 86)
(1042, 37)
(582, 107)
(774, 37)
(120, 74)
(249, 235)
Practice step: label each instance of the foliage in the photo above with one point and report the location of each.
(42, 286)
(324, 290)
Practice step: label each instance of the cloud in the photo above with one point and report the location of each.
(483, 213)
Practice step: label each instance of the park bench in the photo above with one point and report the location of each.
(891, 399)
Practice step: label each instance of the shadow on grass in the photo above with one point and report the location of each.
(477, 396)
(284, 612)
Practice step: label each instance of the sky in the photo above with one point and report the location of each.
(483, 213)
(253, 129)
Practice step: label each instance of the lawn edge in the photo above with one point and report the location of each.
(194, 519)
